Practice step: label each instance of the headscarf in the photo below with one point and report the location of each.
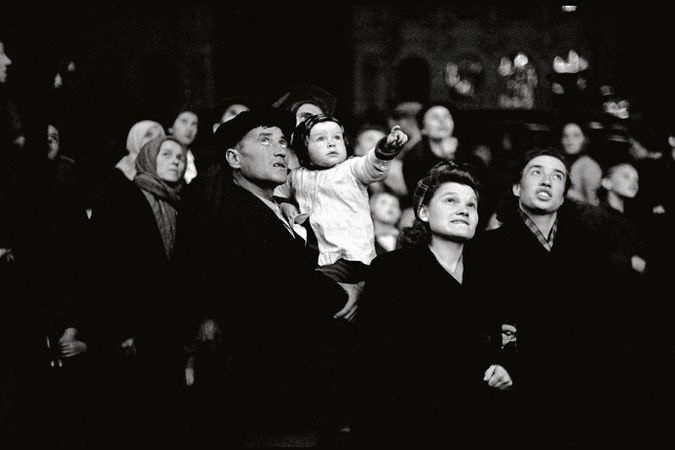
(162, 196)
(136, 137)
(135, 140)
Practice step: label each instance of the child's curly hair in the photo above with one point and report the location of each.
(301, 135)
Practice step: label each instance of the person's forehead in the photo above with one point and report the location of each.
(153, 130)
(263, 130)
(625, 167)
(436, 111)
(385, 197)
(187, 115)
(325, 126)
(572, 128)
(309, 107)
(547, 162)
(237, 107)
(452, 187)
(171, 145)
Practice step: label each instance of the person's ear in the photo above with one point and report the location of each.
(606, 183)
(424, 215)
(516, 190)
(232, 157)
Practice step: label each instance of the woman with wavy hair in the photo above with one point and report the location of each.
(429, 352)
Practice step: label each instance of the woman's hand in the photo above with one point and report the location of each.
(497, 377)
(70, 345)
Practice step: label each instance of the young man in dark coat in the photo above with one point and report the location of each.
(548, 267)
(261, 293)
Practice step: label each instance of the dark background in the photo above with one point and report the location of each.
(136, 62)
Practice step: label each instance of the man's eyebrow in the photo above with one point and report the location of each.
(539, 166)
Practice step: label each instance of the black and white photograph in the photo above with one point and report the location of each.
(344, 226)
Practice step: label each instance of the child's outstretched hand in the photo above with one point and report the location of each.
(392, 144)
(396, 139)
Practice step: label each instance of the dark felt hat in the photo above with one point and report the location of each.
(231, 132)
(307, 93)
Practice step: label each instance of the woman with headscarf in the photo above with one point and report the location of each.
(139, 134)
(134, 321)
(121, 176)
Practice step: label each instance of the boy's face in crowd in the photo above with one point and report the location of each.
(542, 185)
(438, 123)
(367, 140)
(385, 208)
(4, 63)
(185, 127)
(326, 144)
(306, 110)
(623, 181)
(452, 212)
(572, 139)
(170, 162)
(262, 156)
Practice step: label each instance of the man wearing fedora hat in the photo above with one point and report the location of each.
(257, 285)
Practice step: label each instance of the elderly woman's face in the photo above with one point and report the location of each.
(171, 162)
(452, 212)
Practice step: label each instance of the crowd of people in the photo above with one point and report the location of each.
(273, 275)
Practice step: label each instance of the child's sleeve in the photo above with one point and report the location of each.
(369, 168)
